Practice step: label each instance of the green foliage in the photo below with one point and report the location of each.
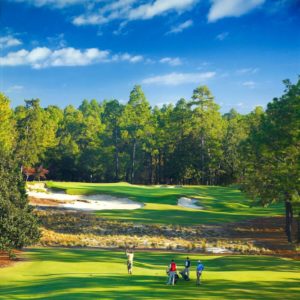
(36, 131)
(272, 172)
(18, 226)
(187, 143)
(273, 156)
(136, 127)
(7, 125)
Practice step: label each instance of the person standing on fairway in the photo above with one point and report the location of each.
(130, 256)
(187, 265)
(172, 272)
(199, 271)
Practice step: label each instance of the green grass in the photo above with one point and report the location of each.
(97, 274)
(222, 204)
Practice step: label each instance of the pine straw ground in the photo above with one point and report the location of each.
(78, 229)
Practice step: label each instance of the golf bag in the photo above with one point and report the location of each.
(184, 275)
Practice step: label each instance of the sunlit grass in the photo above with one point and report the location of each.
(96, 274)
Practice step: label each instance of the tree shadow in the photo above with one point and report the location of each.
(146, 287)
(159, 260)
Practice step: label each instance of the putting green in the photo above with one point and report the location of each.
(221, 204)
(95, 274)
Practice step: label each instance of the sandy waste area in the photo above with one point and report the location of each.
(42, 196)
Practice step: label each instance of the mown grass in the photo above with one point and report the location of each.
(221, 204)
(96, 274)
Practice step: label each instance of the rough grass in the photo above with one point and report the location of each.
(97, 274)
(222, 204)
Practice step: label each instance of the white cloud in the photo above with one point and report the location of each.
(249, 84)
(128, 10)
(43, 57)
(117, 10)
(52, 3)
(182, 26)
(231, 8)
(9, 41)
(247, 71)
(179, 78)
(128, 57)
(158, 7)
(222, 36)
(171, 61)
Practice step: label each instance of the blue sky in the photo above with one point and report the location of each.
(64, 51)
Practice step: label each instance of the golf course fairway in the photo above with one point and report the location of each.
(221, 204)
(56, 273)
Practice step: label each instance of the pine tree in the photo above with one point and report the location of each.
(273, 154)
(18, 226)
(7, 125)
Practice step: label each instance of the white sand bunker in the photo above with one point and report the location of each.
(217, 250)
(86, 202)
(189, 203)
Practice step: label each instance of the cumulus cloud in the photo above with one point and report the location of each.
(173, 79)
(43, 57)
(231, 8)
(9, 41)
(171, 61)
(129, 10)
(182, 26)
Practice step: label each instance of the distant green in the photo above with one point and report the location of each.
(97, 274)
(221, 204)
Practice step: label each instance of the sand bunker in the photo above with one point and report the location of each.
(189, 203)
(83, 202)
(217, 250)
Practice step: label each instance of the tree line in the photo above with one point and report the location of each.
(190, 142)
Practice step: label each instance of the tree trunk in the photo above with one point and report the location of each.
(133, 161)
(156, 169)
(288, 219)
(150, 169)
(116, 156)
(202, 142)
(298, 229)
(159, 166)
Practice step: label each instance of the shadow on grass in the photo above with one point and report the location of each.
(141, 287)
(97, 280)
(159, 260)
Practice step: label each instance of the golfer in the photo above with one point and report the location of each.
(199, 271)
(172, 272)
(130, 256)
(187, 265)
